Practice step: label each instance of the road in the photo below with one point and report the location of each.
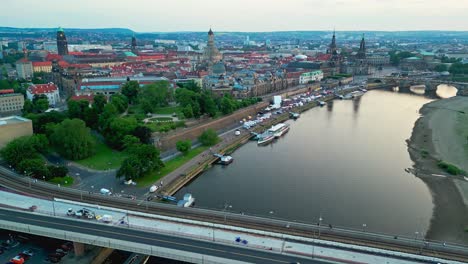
(153, 239)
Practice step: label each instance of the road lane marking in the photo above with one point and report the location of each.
(153, 239)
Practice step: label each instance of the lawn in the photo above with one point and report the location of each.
(105, 158)
(169, 167)
(168, 110)
(161, 119)
(65, 181)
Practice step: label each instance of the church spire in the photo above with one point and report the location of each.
(332, 48)
(362, 48)
(134, 43)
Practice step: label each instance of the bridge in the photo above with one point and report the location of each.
(151, 244)
(430, 83)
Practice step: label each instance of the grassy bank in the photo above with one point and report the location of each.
(105, 158)
(450, 168)
(65, 181)
(170, 166)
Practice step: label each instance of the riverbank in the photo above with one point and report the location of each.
(441, 134)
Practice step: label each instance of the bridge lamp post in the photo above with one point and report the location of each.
(226, 206)
(29, 176)
(364, 227)
(320, 223)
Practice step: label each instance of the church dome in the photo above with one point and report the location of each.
(300, 57)
(219, 68)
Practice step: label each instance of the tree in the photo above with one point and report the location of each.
(28, 107)
(143, 133)
(227, 105)
(131, 168)
(40, 121)
(192, 86)
(209, 138)
(41, 105)
(184, 146)
(130, 90)
(107, 115)
(441, 68)
(142, 159)
(187, 111)
(35, 168)
(26, 147)
(129, 141)
(207, 104)
(91, 117)
(156, 94)
(76, 109)
(73, 140)
(99, 102)
(120, 102)
(118, 128)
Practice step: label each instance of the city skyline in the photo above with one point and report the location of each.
(242, 15)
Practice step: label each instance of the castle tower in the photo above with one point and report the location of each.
(62, 44)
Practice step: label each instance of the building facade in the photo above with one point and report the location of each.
(307, 77)
(14, 127)
(50, 90)
(24, 69)
(11, 102)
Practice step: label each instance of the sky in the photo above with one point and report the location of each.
(238, 15)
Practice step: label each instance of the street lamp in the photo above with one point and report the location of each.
(226, 206)
(29, 177)
(364, 227)
(271, 214)
(320, 223)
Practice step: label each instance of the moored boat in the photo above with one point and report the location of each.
(294, 115)
(265, 139)
(279, 129)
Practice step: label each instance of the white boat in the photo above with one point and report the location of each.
(265, 139)
(225, 160)
(187, 201)
(279, 129)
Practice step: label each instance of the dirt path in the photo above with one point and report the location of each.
(439, 135)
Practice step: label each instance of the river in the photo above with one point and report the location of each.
(344, 162)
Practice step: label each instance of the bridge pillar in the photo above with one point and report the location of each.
(78, 248)
(462, 90)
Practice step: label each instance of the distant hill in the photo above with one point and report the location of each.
(77, 30)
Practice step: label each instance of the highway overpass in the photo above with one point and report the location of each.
(233, 221)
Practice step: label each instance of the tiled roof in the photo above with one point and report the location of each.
(42, 88)
(7, 91)
(41, 63)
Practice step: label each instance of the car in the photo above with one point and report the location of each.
(70, 212)
(86, 213)
(237, 133)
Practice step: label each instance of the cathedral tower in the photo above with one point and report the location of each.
(62, 44)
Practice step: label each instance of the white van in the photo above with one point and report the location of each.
(105, 191)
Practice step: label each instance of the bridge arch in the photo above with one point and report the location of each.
(444, 90)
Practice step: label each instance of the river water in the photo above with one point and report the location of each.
(344, 162)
